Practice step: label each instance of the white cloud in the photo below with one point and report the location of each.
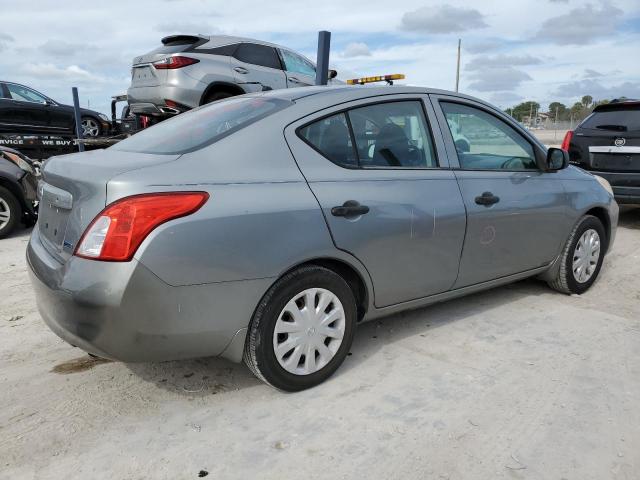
(71, 73)
(187, 28)
(442, 19)
(581, 25)
(356, 49)
(598, 90)
(482, 62)
(498, 79)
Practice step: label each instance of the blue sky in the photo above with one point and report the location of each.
(543, 50)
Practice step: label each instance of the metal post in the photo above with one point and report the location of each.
(78, 118)
(458, 66)
(322, 65)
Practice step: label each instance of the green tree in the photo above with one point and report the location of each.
(559, 110)
(587, 100)
(524, 109)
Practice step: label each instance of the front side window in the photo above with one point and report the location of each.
(24, 94)
(484, 142)
(384, 135)
(258, 55)
(296, 64)
(203, 126)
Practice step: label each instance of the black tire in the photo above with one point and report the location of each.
(9, 204)
(96, 131)
(212, 97)
(259, 354)
(565, 280)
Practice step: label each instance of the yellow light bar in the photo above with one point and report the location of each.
(379, 78)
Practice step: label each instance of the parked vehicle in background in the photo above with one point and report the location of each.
(267, 226)
(23, 110)
(191, 70)
(18, 190)
(607, 143)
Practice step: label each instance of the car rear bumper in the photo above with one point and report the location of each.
(153, 100)
(122, 311)
(625, 185)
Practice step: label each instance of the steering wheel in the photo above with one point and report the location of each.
(507, 163)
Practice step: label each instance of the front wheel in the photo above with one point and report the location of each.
(582, 257)
(90, 127)
(302, 329)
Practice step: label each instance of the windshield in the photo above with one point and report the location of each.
(203, 126)
(623, 120)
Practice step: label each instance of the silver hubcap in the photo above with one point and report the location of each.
(90, 128)
(309, 331)
(5, 213)
(586, 255)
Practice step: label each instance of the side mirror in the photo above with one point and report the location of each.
(333, 73)
(557, 159)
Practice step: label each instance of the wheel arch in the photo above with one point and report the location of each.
(226, 87)
(349, 273)
(601, 214)
(15, 190)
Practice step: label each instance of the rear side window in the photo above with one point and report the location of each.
(258, 55)
(622, 120)
(201, 127)
(330, 136)
(385, 135)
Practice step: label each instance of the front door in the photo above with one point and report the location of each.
(300, 71)
(382, 182)
(515, 211)
(260, 65)
(25, 109)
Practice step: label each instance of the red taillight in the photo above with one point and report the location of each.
(117, 232)
(171, 63)
(567, 140)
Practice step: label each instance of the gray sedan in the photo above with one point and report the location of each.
(267, 226)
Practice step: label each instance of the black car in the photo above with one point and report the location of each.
(18, 190)
(607, 143)
(26, 111)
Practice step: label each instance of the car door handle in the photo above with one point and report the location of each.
(241, 70)
(350, 208)
(295, 80)
(487, 198)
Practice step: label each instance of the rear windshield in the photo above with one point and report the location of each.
(203, 126)
(623, 120)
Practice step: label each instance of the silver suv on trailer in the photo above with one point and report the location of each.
(191, 70)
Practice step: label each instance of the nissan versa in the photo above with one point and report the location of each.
(267, 226)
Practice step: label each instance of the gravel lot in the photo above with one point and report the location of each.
(517, 383)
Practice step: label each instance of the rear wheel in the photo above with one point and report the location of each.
(10, 212)
(302, 329)
(212, 97)
(582, 257)
(90, 127)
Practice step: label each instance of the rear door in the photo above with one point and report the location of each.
(382, 181)
(300, 71)
(515, 211)
(258, 64)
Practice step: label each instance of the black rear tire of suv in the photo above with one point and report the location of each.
(9, 204)
(212, 97)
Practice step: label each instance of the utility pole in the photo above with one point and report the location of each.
(458, 66)
(322, 65)
(530, 112)
(555, 130)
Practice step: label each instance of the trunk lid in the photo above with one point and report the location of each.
(73, 191)
(606, 150)
(144, 74)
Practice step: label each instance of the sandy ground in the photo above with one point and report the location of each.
(517, 383)
(551, 138)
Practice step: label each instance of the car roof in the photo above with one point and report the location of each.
(354, 92)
